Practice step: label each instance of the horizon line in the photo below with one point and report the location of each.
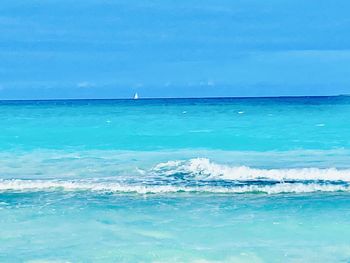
(170, 98)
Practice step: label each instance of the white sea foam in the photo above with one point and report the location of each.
(192, 175)
(18, 185)
(203, 168)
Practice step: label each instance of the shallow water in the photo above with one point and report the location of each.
(182, 180)
(87, 227)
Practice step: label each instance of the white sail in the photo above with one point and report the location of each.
(136, 96)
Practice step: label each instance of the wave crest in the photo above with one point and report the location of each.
(18, 185)
(198, 175)
(204, 169)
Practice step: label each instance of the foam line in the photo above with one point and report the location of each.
(18, 185)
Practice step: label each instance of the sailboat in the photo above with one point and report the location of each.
(136, 96)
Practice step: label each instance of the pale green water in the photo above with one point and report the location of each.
(235, 180)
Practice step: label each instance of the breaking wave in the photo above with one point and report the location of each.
(198, 175)
(18, 185)
(204, 169)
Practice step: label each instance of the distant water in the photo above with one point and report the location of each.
(175, 180)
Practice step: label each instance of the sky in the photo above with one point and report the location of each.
(57, 49)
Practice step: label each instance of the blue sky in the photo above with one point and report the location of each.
(110, 49)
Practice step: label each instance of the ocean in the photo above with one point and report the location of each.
(175, 180)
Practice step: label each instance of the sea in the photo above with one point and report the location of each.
(175, 180)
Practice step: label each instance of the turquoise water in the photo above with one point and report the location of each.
(175, 180)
